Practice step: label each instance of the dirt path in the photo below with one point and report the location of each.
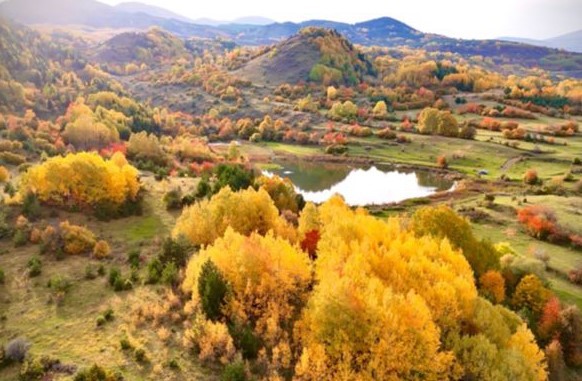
(510, 163)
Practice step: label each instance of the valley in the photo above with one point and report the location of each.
(284, 201)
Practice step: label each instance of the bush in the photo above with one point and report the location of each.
(31, 207)
(101, 250)
(17, 349)
(134, 258)
(114, 275)
(100, 321)
(173, 199)
(212, 289)
(234, 372)
(175, 251)
(2, 277)
(170, 274)
(125, 345)
(20, 238)
(32, 369)
(531, 177)
(442, 162)
(34, 266)
(59, 284)
(154, 271)
(97, 373)
(77, 239)
(140, 355)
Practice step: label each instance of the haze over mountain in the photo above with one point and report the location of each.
(570, 41)
(136, 7)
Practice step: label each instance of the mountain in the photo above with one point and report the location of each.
(135, 7)
(315, 54)
(571, 41)
(383, 31)
(253, 20)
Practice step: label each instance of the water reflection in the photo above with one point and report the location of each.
(360, 186)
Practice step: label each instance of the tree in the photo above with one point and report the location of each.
(443, 222)
(531, 294)
(428, 121)
(492, 285)
(245, 212)
(380, 110)
(212, 290)
(531, 177)
(83, 180)
(447, 124)
(267, 277)
(281, 191)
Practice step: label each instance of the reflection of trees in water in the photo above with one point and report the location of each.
(429, 179)
(313, 177)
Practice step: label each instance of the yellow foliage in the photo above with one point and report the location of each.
(281, 191)
(77, 239)
(531, 294)
(524, 342)
(81, 179)
(216, 344)
(267, 276)
(245, 212)
(101, 250)
(4, 174)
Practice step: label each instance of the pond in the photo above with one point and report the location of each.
(360, 185)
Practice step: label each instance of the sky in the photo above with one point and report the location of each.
(538, 19)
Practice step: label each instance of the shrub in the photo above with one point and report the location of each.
(531, 177)
(175, 250)
(134, 258)
(125, 345)
(100, 321)
(20, 238)
(212, 289)
(34, 266)
(101, 250)
(30, 206)
(387, 134)
(169, 274)
(114, 275)
(32, 369)
(59, 286)
(442, 162)
(154, 271)
(234, 372)
(90, 273)
(17, 349)
(140, 355)
(4, 174)
(76, 239)
(216, 345)
(97, 373)
(2, 276)
(173, 199)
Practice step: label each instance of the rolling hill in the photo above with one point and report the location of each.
(135, 7)
(385, 31)
(316, 54)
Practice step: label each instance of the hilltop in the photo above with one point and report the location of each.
(315, 54)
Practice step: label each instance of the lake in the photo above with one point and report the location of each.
(360, 185)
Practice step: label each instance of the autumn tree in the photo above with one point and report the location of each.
(531, 294)
(84, 180)
(245, 212)
(268, 281)
(281, 191)
(428, 121)
(443, 222)
(492, 285)
(380, 110)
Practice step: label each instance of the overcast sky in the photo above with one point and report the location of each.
(456, 18)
